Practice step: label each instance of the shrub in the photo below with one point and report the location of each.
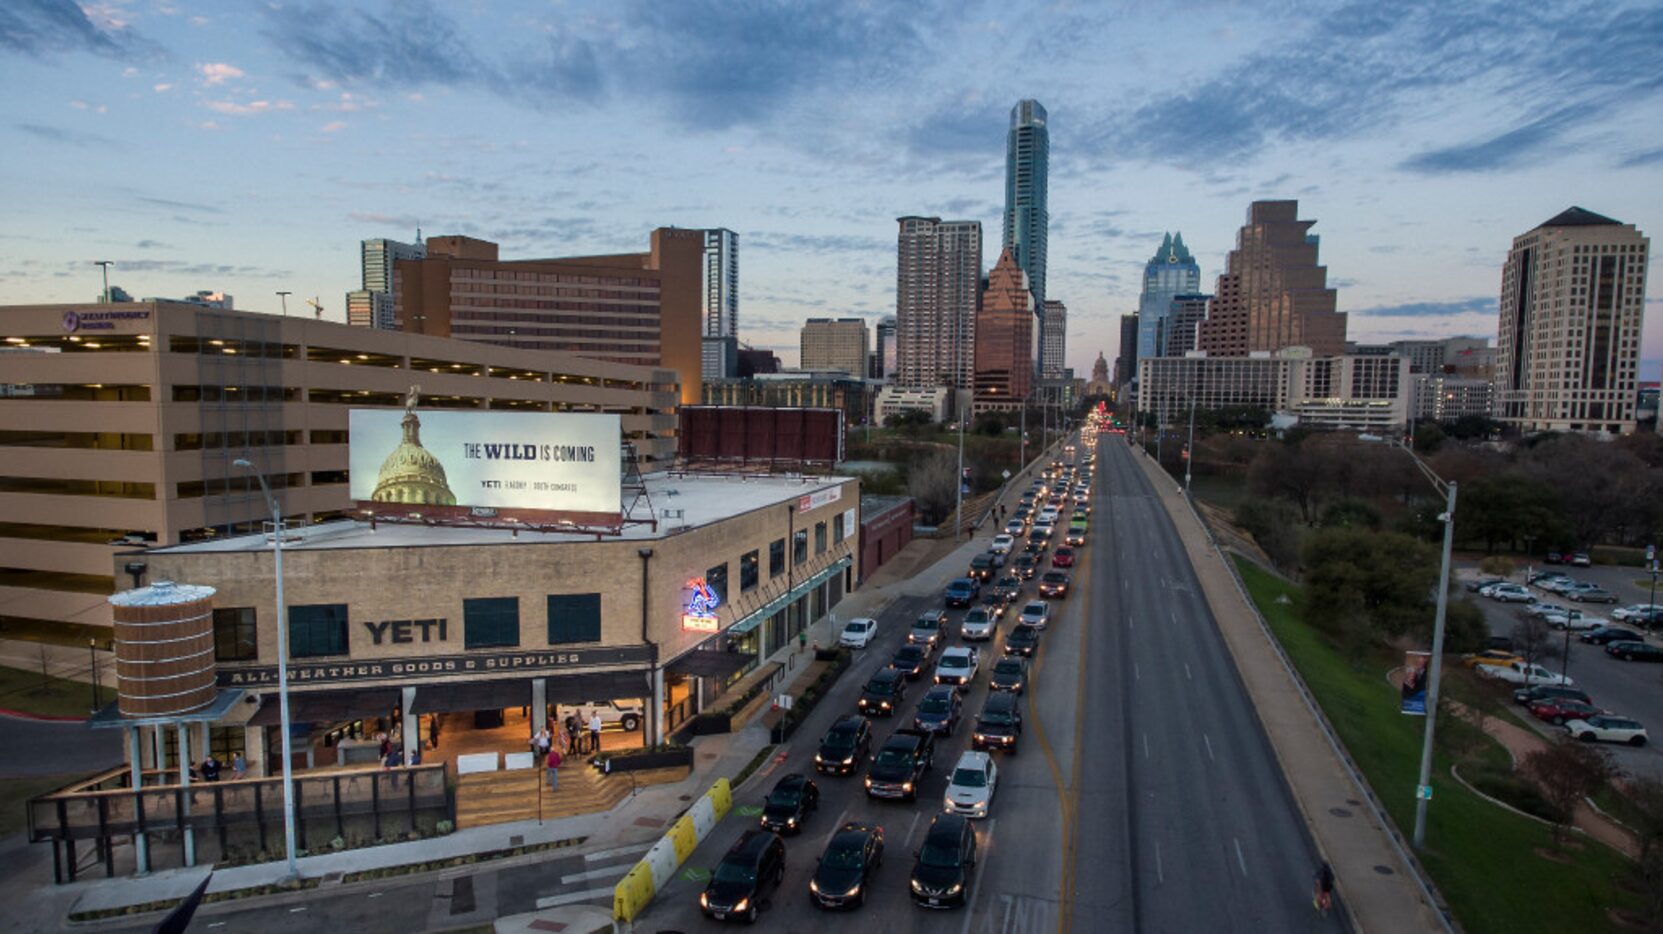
(1517, 792)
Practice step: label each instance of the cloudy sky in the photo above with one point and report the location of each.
(248, 147)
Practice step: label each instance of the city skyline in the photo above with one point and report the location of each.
(253, 154)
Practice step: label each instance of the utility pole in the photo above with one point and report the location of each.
(1189, 450)
(106, 264)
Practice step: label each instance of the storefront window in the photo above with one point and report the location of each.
(717, 579)
(490, 622)
(234, 634)
(819, 538)
(319, 629)
(574, 617)
(799, 547)
(748, 571)
(776, 558)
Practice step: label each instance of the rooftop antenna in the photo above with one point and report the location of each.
(418, 233)
(317, 309)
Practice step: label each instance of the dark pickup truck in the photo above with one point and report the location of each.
(900, 764)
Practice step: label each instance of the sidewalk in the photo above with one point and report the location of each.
(1358, 844)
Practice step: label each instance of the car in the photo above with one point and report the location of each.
(1023, 640)
(1008, 588)
(883, 693)
(1508, 593)
(752, 867)
(1521, 673)
(1041, 533)
(1607, 728)
(1478, 584)
(981, 567)
(1650, 619)
(993, 603)
(939, 711)
(1490, 657)
(1543, 609)
(941, 874)
(1635, 651)
(1529, 695)
(1557, 584)
(979, 625)
(900, 764)
(910, 660)
(845, 745)
(1037, 613)
(1076, 535)
(1637, 611)
(1002, 544)
(958, 666)
(1062, 558)
(999, 725)
(928, 630)
(1581, 560)
(843, 875)
(1604, 635)
(971, 786)
(1574, 620)
(998, 558)
(787, 807)
(1015, 527)
(1559, 710)
(857, 633)
(963, 591)
(1591, 593)
(1009, 674)
(1026, 566)
(1054, 584)
(1033, 548)
(1538, 576)
(626, 715)
(1553, 557)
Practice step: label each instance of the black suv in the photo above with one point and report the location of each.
(752, 868)
(1009, 674)
(909, 660)
(900, 764)
(1023, 640)
(883, 693)
(844, 875)
(999, 725)
(788, 805)
(843, 747)
(982, 567)
(941, 876)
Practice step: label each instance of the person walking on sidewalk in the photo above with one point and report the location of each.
(554, 770)
(573, 731)
(594, 731)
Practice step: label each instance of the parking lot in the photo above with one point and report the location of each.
(1633, 689)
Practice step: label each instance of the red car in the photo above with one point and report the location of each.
(1557, 710)
(1063, 558)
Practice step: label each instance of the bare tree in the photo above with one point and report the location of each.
(1535, 641)
(1646, 794)
(1567, 772)
(933, 483)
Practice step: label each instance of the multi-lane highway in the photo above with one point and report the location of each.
(1145, 796)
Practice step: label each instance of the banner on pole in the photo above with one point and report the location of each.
(1414, 683)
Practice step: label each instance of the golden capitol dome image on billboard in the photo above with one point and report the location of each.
(411, 474)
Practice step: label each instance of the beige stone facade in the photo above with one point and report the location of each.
(839, 344)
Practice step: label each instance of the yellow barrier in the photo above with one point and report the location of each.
(685, 837)
(632, 893)
(721, 795)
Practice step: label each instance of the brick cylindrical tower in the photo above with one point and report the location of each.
(164, 649)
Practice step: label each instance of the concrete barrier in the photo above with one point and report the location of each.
(658, 866)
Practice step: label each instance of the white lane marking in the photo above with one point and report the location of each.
(594, 875)
(1130, 624)
(982, 846)
(906, 841)
(1187, 672)
(375, 894)
(599, 855)
(836, 825)
(1160, 872)
(1136, 676)
(1146, 745)
(294, 910)
(1209, 743)
(555, 901)
(216, 924)
(1240, 859)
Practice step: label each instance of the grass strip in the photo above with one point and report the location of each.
(30, 692)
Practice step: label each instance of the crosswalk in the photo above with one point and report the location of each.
(594, 878)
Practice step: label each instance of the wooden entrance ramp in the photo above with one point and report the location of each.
(505, 796)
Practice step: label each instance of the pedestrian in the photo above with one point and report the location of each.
(543, 744)
(210, 768)
(572, 731)
(416, 755)
(393, 760)
(594, 731)
(433, 730)
(239, 767)
(386, 745)
(802, 641)
(554, 770)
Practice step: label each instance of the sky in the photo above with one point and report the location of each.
(248, 147)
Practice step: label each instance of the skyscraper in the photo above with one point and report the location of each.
(1004, 338)
(1185, 313)
(938, 277)
(1027, 160)
(372, 305)
(1171, 272)
(1053, 339)
(1273, 294)
(885, 349)
(721, 303)
(1126, 361)
(835, 344)
(1573, 292)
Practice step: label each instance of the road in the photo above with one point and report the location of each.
(1145, 796)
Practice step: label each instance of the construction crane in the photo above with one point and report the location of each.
(317, 309)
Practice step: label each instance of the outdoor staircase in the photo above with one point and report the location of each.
(501, 797)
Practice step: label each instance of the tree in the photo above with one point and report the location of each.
(1535, 641)
(1567, 772)
(1646, 794)
(1271, 524)
(1599, 484)
(1350, 513)
(1427, 437)
(1290, 472)
(1464, 627)
(1381, 579)
(991, 424)
(1497, 566)
(1468, 427)
(933, 483)
(908, 418)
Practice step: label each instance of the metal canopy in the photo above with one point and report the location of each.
(328, 706)
(708, 663)
(111, 718)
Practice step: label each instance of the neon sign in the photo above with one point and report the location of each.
(700, 615)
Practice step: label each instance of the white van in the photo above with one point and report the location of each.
(625, 714)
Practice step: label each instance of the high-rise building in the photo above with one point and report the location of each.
(835, 344)
(645, 309)
(1004, 338)
(1273, 294)
(372, 305)
(1027, 174)
(1053, 339)
(1348, 392)
(1185, 314)
(1126, 361)
(1573, 293)
(1438, 397)
(938, 279)
(1171, 272)
(753, 362)
(885, 350)
(721, 303)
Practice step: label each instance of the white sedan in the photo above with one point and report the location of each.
(1037, 613)
(978, 625)
(1002, 544)
(1520, 673)
(858, 633)
(1608, 728)
(1622, 614)
(1015, 527)
(971, 786)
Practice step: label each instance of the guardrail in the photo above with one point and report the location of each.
(638, 886)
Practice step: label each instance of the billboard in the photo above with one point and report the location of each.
(486, 464)
(760, 436)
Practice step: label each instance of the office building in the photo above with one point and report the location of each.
(1185, 314)
(798, 389)
(1027, 220)
(753, 362)
(1573, 293)
(935, 401)
(642, 309)
(1004, 339)
(1126, 361)
(839, 344)
(1171, 272)
(721, 303)
(371, 306)
(120, 424)
(1273, 294)
(1437, 397)
(1053, 339)
(885, 350)
(938, 286)
(1362, 393)
(720, 356)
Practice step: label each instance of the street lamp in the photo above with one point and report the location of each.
(106, 264)
(282, 667)
(1189, 450)
(283, 296)
(1423, 790)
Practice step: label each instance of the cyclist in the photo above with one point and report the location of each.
(1322, 892)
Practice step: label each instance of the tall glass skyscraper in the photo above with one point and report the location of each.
(1027, 159)
(721, 304)
(1171, 272)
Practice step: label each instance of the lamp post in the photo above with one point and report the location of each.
(283, 296)
(106, 264)
(1423, 790)
(1189, 449)
(958, 478)
(92, 653)
(282, 667)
